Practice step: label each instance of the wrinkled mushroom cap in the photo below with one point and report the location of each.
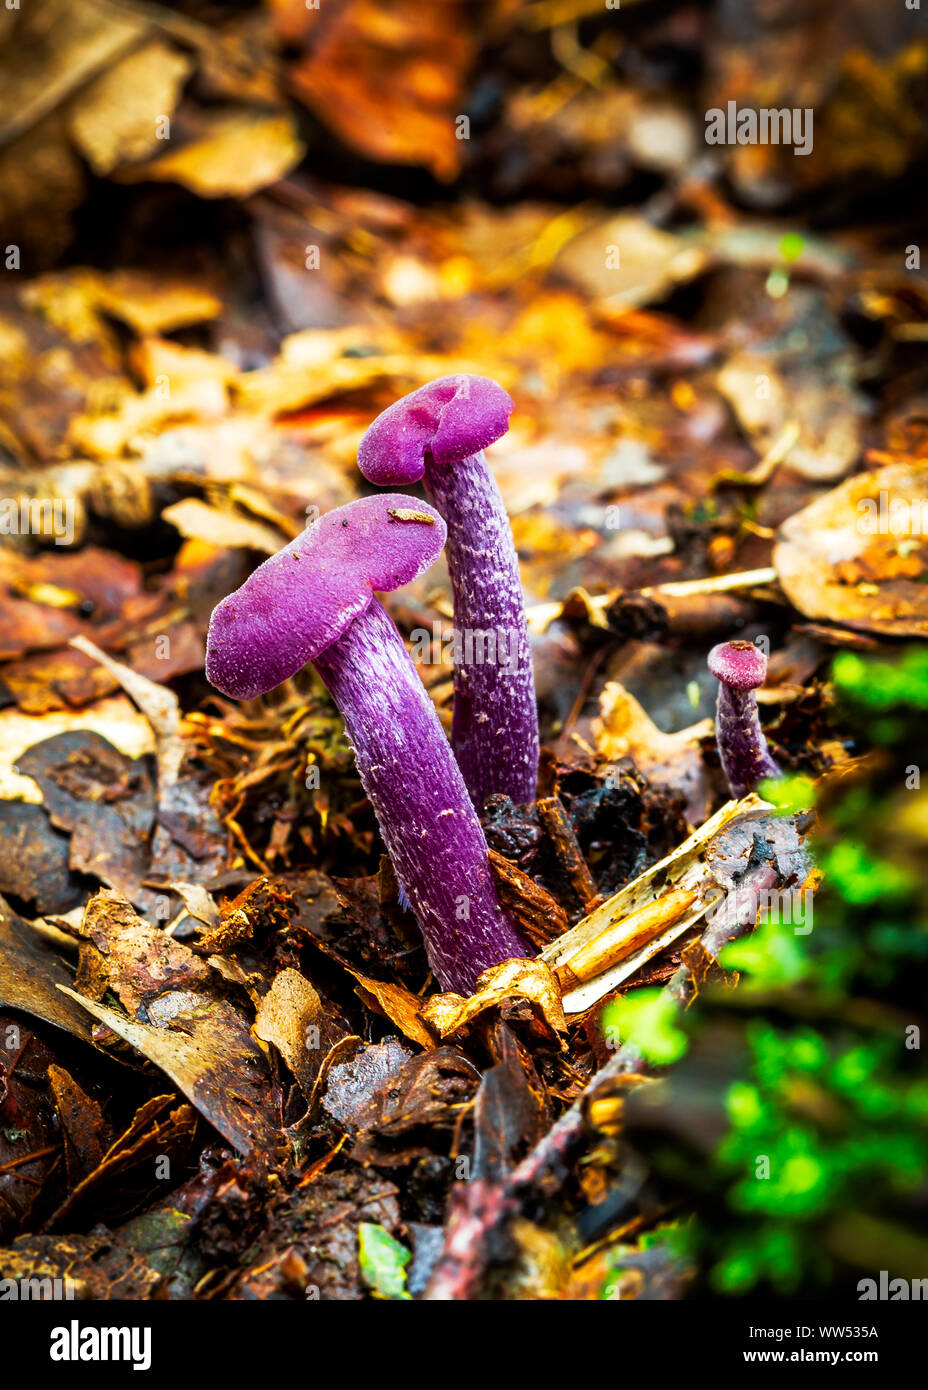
(450, 418)
(739, 664)
(303, 598)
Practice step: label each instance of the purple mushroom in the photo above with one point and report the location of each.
(440, 432)
(741, 668)
(314, 601)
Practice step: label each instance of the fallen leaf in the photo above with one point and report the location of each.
(115, 119)
(82, 1124)
(390, 82)
(624, 730)
(206, 1049)
(521, 979)
(859, 555)
(228, 530)
(398, 1004)
(627, 262)
(32, 975)
(224, 152)
(292, 1017)
(123, 953)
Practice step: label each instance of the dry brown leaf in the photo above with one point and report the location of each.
(115, 717)
(115, 119)
(536, 915)
(210, 1055)
(828, 412)
(390, 81)
(526, 979)
(227, 530)
(627, 262)
(32, 975)
(859, 555)
(624, 730)
(123, 953)
(153, 303)
(58, 47)
(231, 153)
(285, 1015)
(159, 705)
(398, 1004)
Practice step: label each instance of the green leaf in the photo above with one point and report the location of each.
(791, 246)
(772, 956)
(383, 1261)
(646, 1019)
(789, 794)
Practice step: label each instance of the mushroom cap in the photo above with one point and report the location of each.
(303, 598)
(450, 418)
(738, 664)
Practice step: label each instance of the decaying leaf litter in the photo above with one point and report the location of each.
(226, 1071)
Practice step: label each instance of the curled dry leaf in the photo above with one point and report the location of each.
(526, 979)
(198, 902)
(859, 555)
(537, 916)
(161, 1127)
(398, 1004)
(159, 705)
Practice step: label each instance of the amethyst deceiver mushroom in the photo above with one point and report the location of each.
(439, 433)
(314, 601)
(740, 667)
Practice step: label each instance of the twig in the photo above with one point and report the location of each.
(479, 1211)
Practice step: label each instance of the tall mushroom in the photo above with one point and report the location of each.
(314, 601)
(740, 668)
(440, 432)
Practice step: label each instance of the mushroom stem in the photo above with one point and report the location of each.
(437, 434)
(494, 726)
(419, 797)
(746, 760)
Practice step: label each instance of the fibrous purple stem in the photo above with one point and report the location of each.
(438, 433)
(740, 668)
(429, 826)
(314, 601)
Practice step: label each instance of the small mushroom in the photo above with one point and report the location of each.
(740, 668)
(439, 432)
(314, 601)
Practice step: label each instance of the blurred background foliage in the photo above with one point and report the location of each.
(796, 1124)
